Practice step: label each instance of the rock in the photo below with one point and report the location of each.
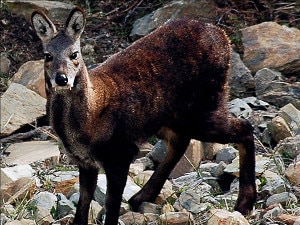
(291, 116)
(57, 11)
(205, 10)
(255, 103)
(45, 199)
(187, 163)
(31, 151)
(31, 75)
(148, 207)
(241, 81)
(193, 199)
(274, 212)
(136, 168)
(289, 148)
(44, 202)
(260, 165)
(279, 129)
(211, 149)
(64, 175)
(130, 189)
(148, 163)
(14, 173)
(293, 173)
(221, 216)
(239, 108)
(226, 155)
(283, 198)
(65, 207)
(133, 218)
(73, 190)
(29, 104)
(273, 46)
(65, 186)
(4, 64)
(274, 183)
(289, 219)
(158, 152)
(177, 218)
(191, 159)
(75, 198)
(17, 190)
(271, 87)
(43, 215)
(95, 209)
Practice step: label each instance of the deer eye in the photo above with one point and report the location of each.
(74, 55)
(48, 57)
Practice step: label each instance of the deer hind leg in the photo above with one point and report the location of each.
(88, 181)
(239, 131)
(176, 146)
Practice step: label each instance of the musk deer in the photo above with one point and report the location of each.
(172, 82)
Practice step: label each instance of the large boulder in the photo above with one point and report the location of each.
(273, 88)
(273, 46)
(20, 106)
(192, 9)
(31, 75)
(55, 10)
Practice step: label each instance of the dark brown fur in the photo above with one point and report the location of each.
(172, 83)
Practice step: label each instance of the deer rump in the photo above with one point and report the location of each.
(172, 82)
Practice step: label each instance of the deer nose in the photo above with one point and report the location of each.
(61, 79)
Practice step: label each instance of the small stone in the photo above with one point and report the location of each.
(226, 155)
(282, 198)
(221, 216)
(293, 173)
(133, 218)
(279, 129)
(177, 218)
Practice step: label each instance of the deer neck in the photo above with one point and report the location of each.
(78, 108)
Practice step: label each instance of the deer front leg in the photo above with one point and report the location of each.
(87, 181)
(116, 165)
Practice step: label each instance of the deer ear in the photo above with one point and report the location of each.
(75, 23)
(43, 26)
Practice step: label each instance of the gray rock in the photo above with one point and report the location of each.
(45, 199)
(289, 148)
(239, 108)
(75, 198)
(203, 10)
(282, 198)
(192, 201)
(4, 64)
(9, 174)
(65, 207)
(57, 11)
(226, 155)
(241, 81)
(274, 183)
(271, 87)
(255, 103)
(158, 152)
(148, 207)
(29, 104)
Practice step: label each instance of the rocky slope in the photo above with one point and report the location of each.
(265, 88)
